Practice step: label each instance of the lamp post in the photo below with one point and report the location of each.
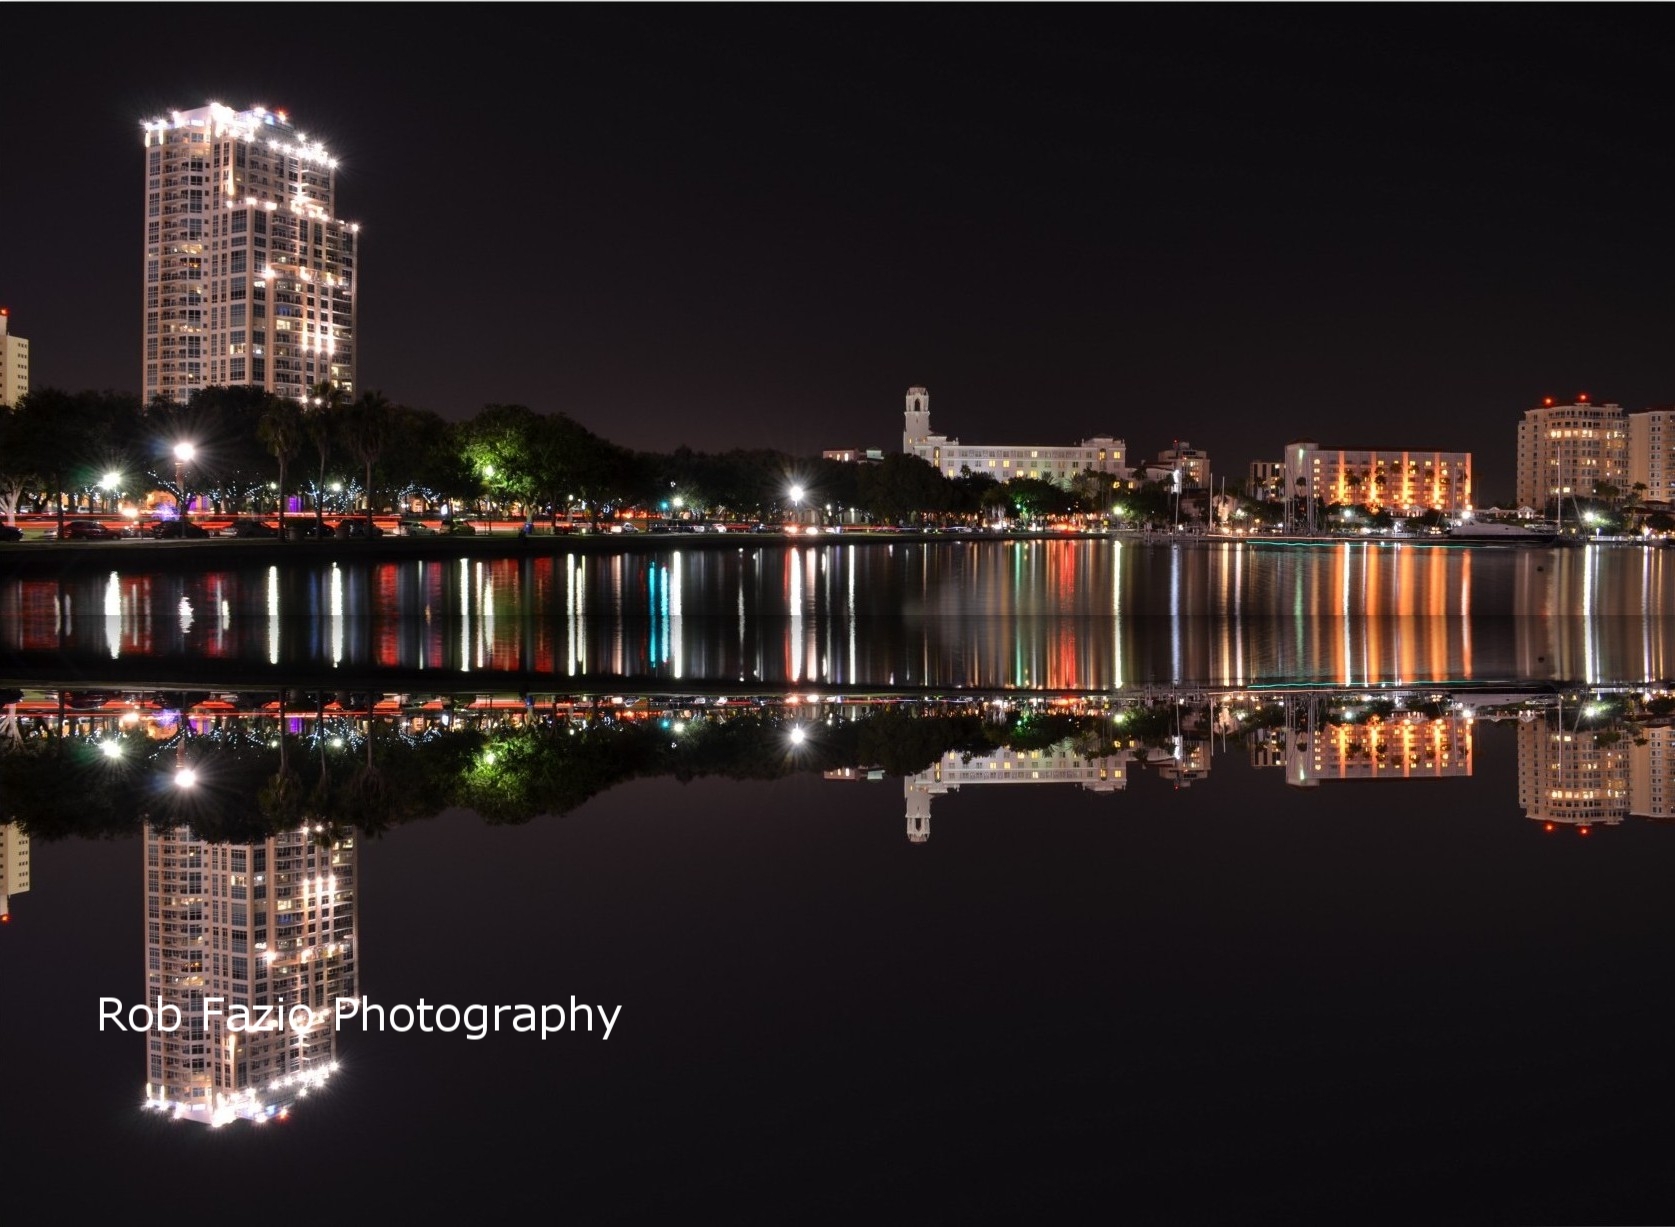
(796, 493)
(183, 452)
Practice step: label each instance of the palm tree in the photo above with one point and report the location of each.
(369, 422)
(280, 428)
(320, 424)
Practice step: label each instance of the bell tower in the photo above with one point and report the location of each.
(916, 426)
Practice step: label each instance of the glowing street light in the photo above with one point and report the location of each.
(796, 493)
(183, 453)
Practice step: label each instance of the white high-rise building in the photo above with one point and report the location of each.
(1566, 451)
(266, 926)
(250, 277)
(14, 362)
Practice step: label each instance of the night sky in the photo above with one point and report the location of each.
(1233, 225)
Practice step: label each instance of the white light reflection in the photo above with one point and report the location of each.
(113, 616)
(184, 612)
(465, 615)
(273, 615)
(849, 605)
(335, 599)
(1116, 615)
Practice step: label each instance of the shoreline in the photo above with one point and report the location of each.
(36, 555)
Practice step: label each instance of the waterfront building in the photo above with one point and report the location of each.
(1004, 461)
(1567, 451)
(1405, 481)
(14, 866)
(1058, 764)
(14, 362)
(1651, 454)
(1406, 746)
(257, 925)
(1571, 776)
(1651, 773)
(1266, 480)
(853, 455)
(1192, 463)
(250, 276)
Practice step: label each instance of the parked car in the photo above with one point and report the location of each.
(416, 528)
(249, 527)
(358, 528)
(301, 529)
(166, 529)
(87, 530)
(10, 532)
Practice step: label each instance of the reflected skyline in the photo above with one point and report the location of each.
(1584, 760)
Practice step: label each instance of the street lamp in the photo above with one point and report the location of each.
(112, 484)
(796, 493)
(183, 452)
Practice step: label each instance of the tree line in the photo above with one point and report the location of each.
(253, 452)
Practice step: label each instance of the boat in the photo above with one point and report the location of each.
(1503, 532)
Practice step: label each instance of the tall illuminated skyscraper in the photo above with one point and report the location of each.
(250, 277)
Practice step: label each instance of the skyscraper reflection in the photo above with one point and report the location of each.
(238, 937)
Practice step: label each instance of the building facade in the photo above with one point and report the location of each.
(1060, 763)
(1651, 454)
(1567, 451)
(1266, 480)
(259, 925)
(14, 362)
(249, 275)
(14, 866)
(1003, 461)
(1572, 777)
(1405, 481)
(1192, 463)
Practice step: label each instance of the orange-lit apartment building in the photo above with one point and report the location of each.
(1404, 480)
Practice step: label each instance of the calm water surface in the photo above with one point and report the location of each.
(1244, 883)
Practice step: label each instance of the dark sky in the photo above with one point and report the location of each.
(1372, 225)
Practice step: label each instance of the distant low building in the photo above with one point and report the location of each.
(853, 455)
(1004, 461)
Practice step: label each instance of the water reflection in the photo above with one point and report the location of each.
(251, 874)
(1081, 615)
(102, 763)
